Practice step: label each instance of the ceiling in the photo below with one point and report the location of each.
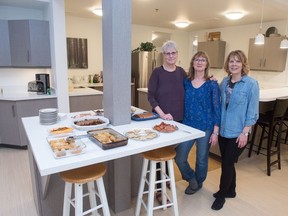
(204, 14)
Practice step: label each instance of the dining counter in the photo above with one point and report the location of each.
(45, 167)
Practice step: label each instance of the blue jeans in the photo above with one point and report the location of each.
(202, 152)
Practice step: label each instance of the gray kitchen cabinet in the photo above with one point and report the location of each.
(5, 55)
(215, 51)
(11, 128)
(85, 102)
(267, 57)
(30, 43)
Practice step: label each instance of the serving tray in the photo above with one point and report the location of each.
(107, 138)
(135, 117)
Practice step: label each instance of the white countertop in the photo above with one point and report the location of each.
(17, 93)
(269, 94)
(47, 164)
(272, 94)
(143, 90)
(84, 91)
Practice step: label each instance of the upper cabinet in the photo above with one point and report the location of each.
(267, 57)
(29, 43)
(215, 51)
(5, 56)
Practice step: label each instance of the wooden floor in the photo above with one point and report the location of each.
(257, 193)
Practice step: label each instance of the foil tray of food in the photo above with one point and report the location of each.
(107, 138)
(62, 147)
(144, 116)
(90, 122)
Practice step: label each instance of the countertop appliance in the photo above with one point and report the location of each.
(41, 85)
(143, 63)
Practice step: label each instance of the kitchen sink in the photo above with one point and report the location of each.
(79, 87)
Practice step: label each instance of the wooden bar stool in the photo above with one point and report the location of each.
(161, 156)
(77, 178)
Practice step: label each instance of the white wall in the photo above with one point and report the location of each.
(238, 38)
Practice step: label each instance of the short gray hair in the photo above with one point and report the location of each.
(169, 44)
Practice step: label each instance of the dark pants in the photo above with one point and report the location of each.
(229, 154)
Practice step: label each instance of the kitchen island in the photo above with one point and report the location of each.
(16, 102)
(49, 188)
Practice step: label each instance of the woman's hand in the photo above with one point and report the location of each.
(168, 117)
(213, 139)
(242, 140)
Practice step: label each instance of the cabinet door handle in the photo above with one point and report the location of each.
(28, 56)
(260, 62)
(13, 110)
(264, 63)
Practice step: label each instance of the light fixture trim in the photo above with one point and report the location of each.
(182, 24)
(98, 11)
(234, 15)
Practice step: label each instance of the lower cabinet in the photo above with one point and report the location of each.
(11, 127)
(85, 102)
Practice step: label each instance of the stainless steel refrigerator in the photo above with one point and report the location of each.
(142, 64)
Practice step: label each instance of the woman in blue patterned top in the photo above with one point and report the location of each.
(201, 111)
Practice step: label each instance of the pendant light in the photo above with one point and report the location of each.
(259, 39)
(284, 42)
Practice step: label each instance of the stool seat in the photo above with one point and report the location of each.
(148, 176)
(84, 174)
(77, 178)
(162, 154)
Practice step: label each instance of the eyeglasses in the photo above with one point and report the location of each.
(200, 60)
(170, 53)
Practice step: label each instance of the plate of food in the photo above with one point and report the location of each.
(144, 116)
(60, 130)
(90, 122)
(84, 114)
(141, 134)
(62, 147)
(165, 127)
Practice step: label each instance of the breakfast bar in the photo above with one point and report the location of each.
(49, 189)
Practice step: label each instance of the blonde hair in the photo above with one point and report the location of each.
(242, 57)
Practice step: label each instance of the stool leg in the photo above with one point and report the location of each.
(151, 189)
(163, 184)
(92, 197)
(67, 197)
(78, 199)
(141, 186)
(103, 198)
(173, 187)
(253, 140)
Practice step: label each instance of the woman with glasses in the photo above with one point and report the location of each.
(201, 111)
(166, 91)
(239, 112)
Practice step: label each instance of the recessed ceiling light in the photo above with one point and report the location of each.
(182, 24)
(98, 11)
(234, 15)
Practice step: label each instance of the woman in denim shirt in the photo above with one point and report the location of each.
(239, 112)
(201, 111)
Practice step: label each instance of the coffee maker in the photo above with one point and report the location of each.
(43, 83)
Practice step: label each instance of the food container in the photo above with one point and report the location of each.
(107, 138)
(62, 148)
